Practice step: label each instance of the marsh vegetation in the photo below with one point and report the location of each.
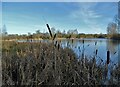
(40, 63)
(33, 63)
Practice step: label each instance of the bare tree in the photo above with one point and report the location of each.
(37, 31)
(112, 28)
(53, 30)
(4, 30)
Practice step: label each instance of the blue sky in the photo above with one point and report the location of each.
(86, 17)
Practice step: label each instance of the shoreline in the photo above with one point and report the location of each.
(57, 39)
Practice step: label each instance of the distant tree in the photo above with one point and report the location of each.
(53, 30)
(118, 17)
(63, 32)
(112, 28)
(58, 32)
(38, 34)
(117, 21)
(29, 33)
(72, 31)
(75, 31)
(37, 31)
(4, 30)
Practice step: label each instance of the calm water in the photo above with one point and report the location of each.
(102, 45)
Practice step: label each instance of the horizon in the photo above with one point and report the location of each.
(86, 17)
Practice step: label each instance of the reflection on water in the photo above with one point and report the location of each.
(102, 45)
(112, 46)
(119, 54)
(89, 47)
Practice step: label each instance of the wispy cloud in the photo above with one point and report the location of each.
(85, 12)
(88, 16)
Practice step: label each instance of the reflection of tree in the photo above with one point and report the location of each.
(112, 45)
(112, 28)
(119, 55)
(119, 17)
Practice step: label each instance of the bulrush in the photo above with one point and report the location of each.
(44, 65)
(96, 51)
(54, 37)
(108, 57)
(49, 30)
(96, 43)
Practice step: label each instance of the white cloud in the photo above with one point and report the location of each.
(84, 11)
(88, 16)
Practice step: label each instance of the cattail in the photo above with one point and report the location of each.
(55, 43)
(31, 36)
(72, 40)
(69, 36)
(58, 46)
(88, 45)
(106, 71)
(96, 43)
(27, 39)
(54, 37)
(115, 52)
(67, 43)
(49, 30)
(101, 60)
(108, 57)
(96, 51)
(83, 41)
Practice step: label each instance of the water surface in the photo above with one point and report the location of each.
(91, 45)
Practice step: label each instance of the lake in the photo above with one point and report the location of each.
(102, 45)
(90, 46)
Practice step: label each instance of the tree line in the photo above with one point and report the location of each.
(39, 35)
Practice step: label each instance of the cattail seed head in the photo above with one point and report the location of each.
(108, 57)
(54, 37)
(58, 46)
(49, 30)
(83, 41)
(72, 40)
(96, 51)
(96, 43)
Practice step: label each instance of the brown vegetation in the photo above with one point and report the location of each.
(30, 63)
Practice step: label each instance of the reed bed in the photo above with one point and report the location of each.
(36, 63)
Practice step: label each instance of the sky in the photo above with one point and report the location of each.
(86, 17)
(59, 0)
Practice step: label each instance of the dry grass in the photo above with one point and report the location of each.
(31, 63)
